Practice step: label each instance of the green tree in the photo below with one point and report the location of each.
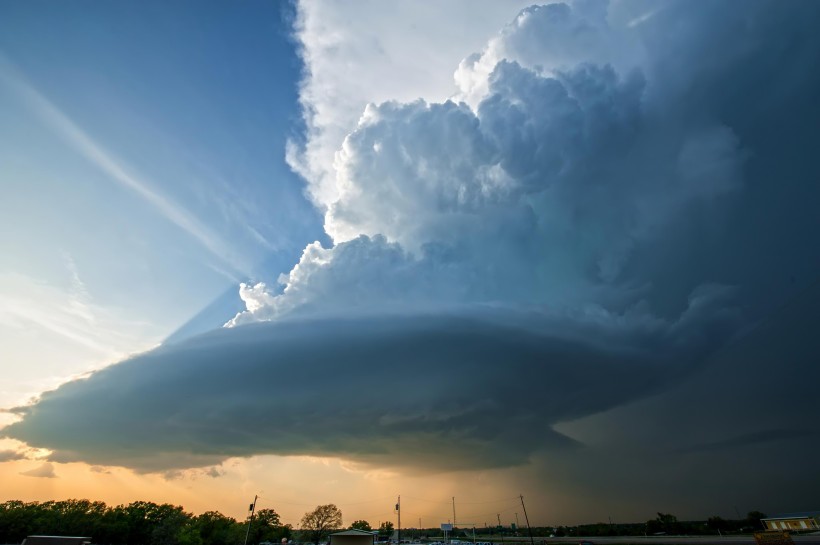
(189, 535)
(170, 525)
(267, 526)
(217, 529)
(15, 521)
(75, 517)
(318, 523)
(386, 529)
(361, 525)
(267, 518)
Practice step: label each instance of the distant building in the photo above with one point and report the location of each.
(808, 520)
(56, 540)
(353, 537)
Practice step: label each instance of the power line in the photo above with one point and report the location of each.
(504, 500)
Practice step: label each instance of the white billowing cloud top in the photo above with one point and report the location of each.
(534, 184)
(377, 52)
(548, 38)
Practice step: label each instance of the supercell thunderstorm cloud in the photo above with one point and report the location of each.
(615, 205)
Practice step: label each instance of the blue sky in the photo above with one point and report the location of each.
(194, 104)
(578, 240)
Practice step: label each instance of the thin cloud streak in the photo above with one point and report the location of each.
(641, 19)
(91, 150)
(71, 315)
(57, 324)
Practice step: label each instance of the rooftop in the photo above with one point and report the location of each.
(798, 515)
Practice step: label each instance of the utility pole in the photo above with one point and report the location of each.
(252, 508)
(398, 508)
(500, 529)
(454, 512)
(532, 540)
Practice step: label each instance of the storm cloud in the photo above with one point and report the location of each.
(374, 389)
(612, 209)
(568, 175)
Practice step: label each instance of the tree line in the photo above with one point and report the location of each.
(137, 523)
(148, 523)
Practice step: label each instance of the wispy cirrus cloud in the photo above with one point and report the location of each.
(70, 331)
(70, 314)
(116, 170)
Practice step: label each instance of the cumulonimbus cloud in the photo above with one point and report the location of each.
(573, 216)
(538, 190)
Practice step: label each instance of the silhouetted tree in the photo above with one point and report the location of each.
(753, 519)
(717, 524)
(217, 529)
(267, 526)
(318, 523)
(386, 529)
(138, 523)
(663, 523)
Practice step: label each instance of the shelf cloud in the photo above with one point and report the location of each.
(429, 391)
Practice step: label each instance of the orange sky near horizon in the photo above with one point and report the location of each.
(289, 485)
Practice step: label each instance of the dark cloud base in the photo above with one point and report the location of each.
(741, 431)
(638, 429)
(429, 391)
